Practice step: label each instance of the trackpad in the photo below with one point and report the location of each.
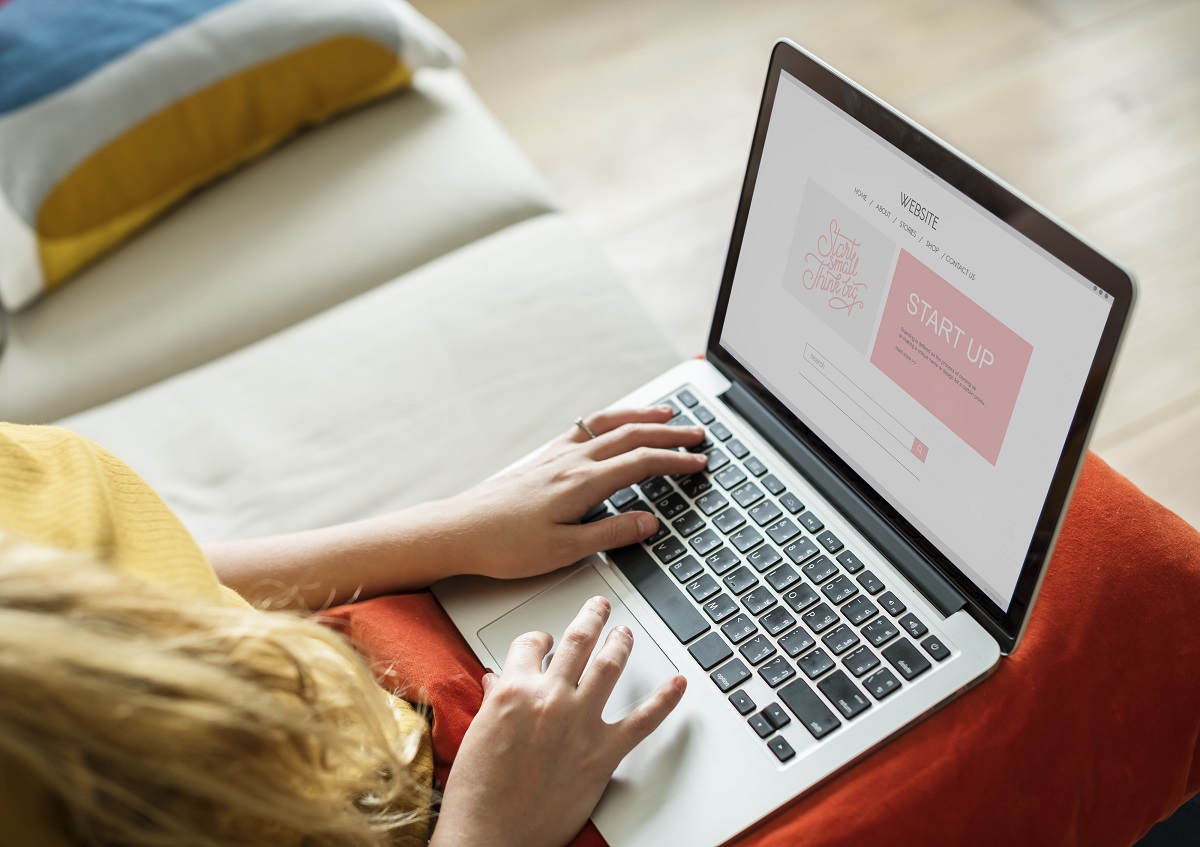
(553, 610)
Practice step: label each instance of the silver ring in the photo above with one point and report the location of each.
(582, 424)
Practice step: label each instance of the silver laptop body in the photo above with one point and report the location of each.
(904, 367)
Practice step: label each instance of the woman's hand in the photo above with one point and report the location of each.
(538, 756)
(527, 521)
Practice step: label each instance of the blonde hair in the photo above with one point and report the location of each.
(156, 721)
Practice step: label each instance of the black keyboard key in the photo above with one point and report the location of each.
(670, 404)
(840, 639)
(720, 607)
(820, 618)
(783, 531)
(638, 506)
(760, 725)
(720, 431)
(717, 460)
(723, 561)
(772, 484)
(809, 708)
(741, 580)
(729, 520)
(710, 651)
(777, 620)
(742, 702)
(849, 561)
(729, 675)
(782, 750)
(904, 657)
(881, 683)
(776, 715)
(687, 398)
(655, 488)
(912, 625)
(763, 558)
(757, 649)
(730, 477)
(738, 449)
(759, 600)
(791, 502)
(703, 415)
(705, 542)
(820, 569)
(935, 648)
(712, 502)
(880, 632)
(755, 466)
(830, 541)
(693, 485)
(776, 671)
(840, 589)
(815, 663)
(660, 592)
(892, 603)
(782, 578)
(800, 550)
(624, 497)
(859, 661)
(764, 513)
(800, 597)
(600, 510)
(844, 694)
(739, 628)
(859, 609)
(796, 642)
(746, 538)
(811, 522)
(747, 495)
(689, 523)
(869, 582)
(668, 550)
(704, 446)
(659, 534)
(681, 420)
(686, 568)
(703, 588)
(671, 506)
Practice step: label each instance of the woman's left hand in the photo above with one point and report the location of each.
(526, 521)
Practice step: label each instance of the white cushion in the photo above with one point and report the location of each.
(409, 392)
(338, 211)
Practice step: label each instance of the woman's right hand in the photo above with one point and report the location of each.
(538, 755)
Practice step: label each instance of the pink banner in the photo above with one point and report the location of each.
(950, 355)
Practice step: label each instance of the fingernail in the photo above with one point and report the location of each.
(625, 630)
(600, 601)
(647, 523)
(664, 409)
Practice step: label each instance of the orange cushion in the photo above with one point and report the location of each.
(1088, 734)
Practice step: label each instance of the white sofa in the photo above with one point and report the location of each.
(386, 310)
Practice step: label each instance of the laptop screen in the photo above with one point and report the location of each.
(937, 350)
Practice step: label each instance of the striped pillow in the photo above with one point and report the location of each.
(113, 110)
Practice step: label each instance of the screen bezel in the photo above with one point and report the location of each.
(1008, 207)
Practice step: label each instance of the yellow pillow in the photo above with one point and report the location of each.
(111, 112)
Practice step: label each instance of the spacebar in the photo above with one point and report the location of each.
(660, 592)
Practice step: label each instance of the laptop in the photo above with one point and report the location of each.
(905, 363)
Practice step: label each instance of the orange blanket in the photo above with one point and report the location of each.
(1088, 734)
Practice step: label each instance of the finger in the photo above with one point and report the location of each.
(527, 651)
(632, 729)
(610, 419)
(607, 666)
(487, 682)
(635, 465)
(630, 436)
(609, 533)
(579, 640)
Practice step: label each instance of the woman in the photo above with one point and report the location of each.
(141, 702)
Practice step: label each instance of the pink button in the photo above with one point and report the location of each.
(919, 450)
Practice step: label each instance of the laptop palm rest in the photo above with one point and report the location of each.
(553, 610)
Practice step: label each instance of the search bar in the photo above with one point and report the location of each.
(860, 407)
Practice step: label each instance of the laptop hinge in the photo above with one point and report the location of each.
(936, 588)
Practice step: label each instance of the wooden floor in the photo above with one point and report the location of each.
(639, 112)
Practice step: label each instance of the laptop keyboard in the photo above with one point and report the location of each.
(751, 580)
